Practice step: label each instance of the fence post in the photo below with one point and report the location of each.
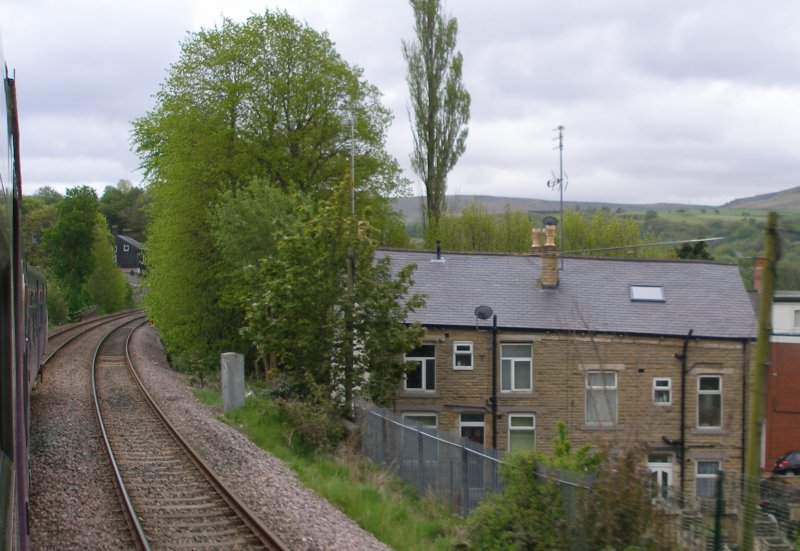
(464, 481)
(420, 465)
(718, 512)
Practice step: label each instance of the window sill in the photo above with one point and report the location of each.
(416, 393)
(711, 431)
(517, 394)
(602, 428)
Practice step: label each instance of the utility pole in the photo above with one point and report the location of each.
(752, 464)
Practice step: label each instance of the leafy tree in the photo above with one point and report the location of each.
(603, 233)
(48, 195)
(37, 218)
(107, 287)
(475, 229)
(70, 242)
(697, 250)
(269, 98)
(121, 205)
(299, 308)
(439, 104)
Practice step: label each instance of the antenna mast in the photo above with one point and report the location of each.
(561, 183)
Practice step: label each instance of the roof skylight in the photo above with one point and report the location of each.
(651, 293)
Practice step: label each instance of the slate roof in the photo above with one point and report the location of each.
(129, 240)
(593, 294)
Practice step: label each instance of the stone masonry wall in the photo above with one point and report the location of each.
(560, 364)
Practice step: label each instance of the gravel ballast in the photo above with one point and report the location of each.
(70, 512)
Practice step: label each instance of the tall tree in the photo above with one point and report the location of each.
(70, 242)
(268, 98)
(107, 286)
(439, 104)
(298, 308)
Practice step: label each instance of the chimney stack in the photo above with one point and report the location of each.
(549, 256)
(758, 271)
(536, 241)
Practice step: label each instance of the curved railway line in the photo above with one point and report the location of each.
(172, 499)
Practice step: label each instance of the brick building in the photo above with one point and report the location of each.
(623, 351)
(782, 405)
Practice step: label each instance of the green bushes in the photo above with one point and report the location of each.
(315, 424)
(580, 500)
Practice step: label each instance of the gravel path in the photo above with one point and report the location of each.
(65, 449)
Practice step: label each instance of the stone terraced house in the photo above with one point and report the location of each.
(623, 351)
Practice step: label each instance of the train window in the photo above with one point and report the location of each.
(6, 367)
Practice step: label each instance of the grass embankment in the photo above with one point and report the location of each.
(379, 503)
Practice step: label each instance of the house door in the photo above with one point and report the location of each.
(660, 467)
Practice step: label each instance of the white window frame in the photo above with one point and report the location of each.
(512, 387)
(430, 449)
(706, 393)
(663, 388)
(409, 417)
(456, 353)
(422, 360)
(703, 477)
(647, 293)
(594, 393)
(126, 248)
(531, 429)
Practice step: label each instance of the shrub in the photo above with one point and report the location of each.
(315, 424)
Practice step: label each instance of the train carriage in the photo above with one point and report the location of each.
(23, 334)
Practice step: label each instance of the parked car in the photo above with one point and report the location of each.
(788, 464)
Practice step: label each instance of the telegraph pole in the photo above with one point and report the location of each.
(752, 464)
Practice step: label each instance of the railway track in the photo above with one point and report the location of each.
(56, 340)
(173, 500)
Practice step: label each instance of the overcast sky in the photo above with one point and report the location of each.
(686, 101)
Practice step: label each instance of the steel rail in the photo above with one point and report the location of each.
(267, 538)
(132, 518)
(83, 330)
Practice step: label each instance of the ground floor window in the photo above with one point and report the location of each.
(521, 432)
(706, 478)
(416, 441)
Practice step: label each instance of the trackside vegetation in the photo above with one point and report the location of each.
(379, 503)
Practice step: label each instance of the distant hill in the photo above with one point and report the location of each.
(410, 207)
(788, 199)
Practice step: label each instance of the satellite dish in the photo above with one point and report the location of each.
(483, 312)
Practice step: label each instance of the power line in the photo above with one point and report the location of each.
(663, 243)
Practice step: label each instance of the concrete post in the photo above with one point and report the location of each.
(232, 365)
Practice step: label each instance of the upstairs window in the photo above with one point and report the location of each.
(517, 367)
(423, 376)
(126, 248)
(706, 478)
(662, 391)
(647, 293)
(796, 320)
(601, 398)
(709, 401)
(462, 355)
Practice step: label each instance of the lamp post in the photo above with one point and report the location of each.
(483, 313)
